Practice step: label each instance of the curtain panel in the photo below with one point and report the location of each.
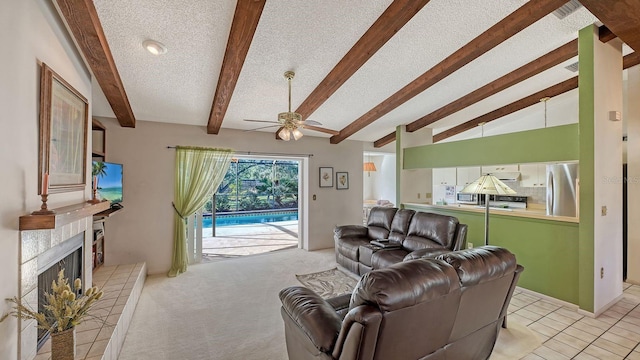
(199, 172)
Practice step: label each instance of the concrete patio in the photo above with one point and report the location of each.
(241, 240)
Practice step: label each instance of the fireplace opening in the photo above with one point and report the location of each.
(70, 261)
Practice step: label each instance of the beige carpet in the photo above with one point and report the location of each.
(229, 309)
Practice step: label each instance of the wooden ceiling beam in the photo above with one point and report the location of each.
(322, 130)
(533, 68)
(621, 16)
(532, 99)
(243, 27)
(387, 139)
(524, 72)
(388, 24)
(83, 22)
(605, 35)
(523, 17)
(629, 60)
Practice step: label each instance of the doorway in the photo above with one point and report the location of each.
(257, 209)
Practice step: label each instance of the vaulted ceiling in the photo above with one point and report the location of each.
(362, 68)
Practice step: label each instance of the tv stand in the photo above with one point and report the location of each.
(99, 233)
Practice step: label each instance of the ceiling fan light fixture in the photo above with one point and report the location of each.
(284, 134)
(154, 47)
(297, 134)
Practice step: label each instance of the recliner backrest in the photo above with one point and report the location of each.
(486, 278)
(379, 222)
(400, 225)
(412, 297)
(429, 230)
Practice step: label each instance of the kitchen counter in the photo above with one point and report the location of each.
(532, 213)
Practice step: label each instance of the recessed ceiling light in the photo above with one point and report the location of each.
(154, 47)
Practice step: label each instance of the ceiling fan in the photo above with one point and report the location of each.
(291, 122)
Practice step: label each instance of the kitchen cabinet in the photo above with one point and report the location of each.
(489, 169)
(467, 175)
(533, 175)
(444, 176)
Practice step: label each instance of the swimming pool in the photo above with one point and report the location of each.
(255, 218)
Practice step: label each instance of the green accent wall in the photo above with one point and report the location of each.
(558, 143)
(548, 250)
(586, 90)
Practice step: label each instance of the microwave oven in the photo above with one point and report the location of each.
(467, 198)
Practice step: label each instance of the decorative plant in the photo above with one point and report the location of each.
(62, 309)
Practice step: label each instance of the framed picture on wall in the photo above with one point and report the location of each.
(342, 180)
(63, 135)
(326, 177)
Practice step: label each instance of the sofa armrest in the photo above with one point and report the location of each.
(429, 253)
(314, 316)
(350, 231)
(461, 237)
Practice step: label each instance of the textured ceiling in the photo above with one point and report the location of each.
(310, 37)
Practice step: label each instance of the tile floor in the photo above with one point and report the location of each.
(567, 334)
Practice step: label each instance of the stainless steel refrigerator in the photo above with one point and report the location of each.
(562, 189)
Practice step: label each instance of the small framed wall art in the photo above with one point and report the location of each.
(342, 180)
(326, 177)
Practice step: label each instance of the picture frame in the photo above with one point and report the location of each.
(326, 177)
(63, 135)
(342, 180)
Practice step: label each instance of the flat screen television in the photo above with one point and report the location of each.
(107, 178)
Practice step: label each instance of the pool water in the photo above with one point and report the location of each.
(229, 220)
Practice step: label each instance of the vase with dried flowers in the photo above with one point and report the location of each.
(62, 312)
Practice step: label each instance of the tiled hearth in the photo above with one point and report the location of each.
(101, 336)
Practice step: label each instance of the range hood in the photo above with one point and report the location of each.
(507, 175)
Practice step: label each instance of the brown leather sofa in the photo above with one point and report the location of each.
(450, 307)
(420, 234)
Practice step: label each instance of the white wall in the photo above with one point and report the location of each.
(561, 110)
(144, 230)
(30, 32)
(415, 181)
(607, 165)
(380, 184)
(632, 117)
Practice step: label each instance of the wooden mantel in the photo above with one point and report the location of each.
(63, 215)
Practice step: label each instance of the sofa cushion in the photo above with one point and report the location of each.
(349, 247)
(400, 225)
(379, 222)
(388, 288)
(428, 230)
(385, 258)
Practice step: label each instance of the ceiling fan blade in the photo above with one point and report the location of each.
(262, 121)
(260, 128)
(310, 122)
(321, 129)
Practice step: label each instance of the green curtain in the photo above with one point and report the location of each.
(199, 172)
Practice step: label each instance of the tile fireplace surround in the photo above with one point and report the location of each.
(34, 243)
(44, 239)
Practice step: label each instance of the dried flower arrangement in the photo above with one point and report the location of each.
(62, 309)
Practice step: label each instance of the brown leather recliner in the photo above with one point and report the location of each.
(419, 234)
(450, 307)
